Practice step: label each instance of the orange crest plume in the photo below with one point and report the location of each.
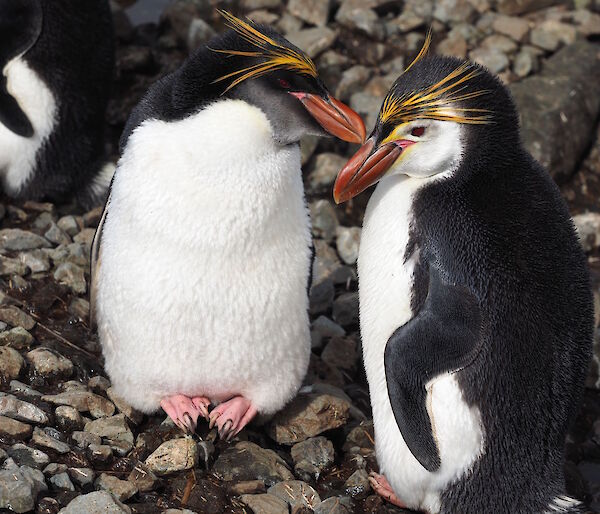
(275, 55)
(438, 101)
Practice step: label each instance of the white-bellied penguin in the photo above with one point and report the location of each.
(56, 59)
(202, 260)
(475, 304)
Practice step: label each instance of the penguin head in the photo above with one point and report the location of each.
(439, 112)
(262, 68)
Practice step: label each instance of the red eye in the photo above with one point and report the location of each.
(417, 131)
(284, 83)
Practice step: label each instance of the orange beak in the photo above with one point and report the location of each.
(366, 167)
(335, 117)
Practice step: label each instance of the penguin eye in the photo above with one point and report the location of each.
(417, 131)
(284, 83)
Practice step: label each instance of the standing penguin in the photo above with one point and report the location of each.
(56, 58)
(201, 261)
(475, 306)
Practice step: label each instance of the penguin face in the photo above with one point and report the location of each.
(437, 112)
(277, 77)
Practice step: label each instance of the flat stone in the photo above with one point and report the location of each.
(511, 26)
(82, 476)
(308, 416)
(19, 488)
(20, 387)
(100, 452)
(26, 456)
(361, 436)
(41, 438)
(265, 503)
(587, 22)
(15, 317)
(363, 20)
(55, 235)
(327, 327)
(315, 12)
(250, 5)
(17, 338)
(523, 64)
(11, 363)
(83, 401)
(327, 166)
(321, 296)
(313, 41)
(9, 266)
(565, 32)
(408, 21)
(545, 39)
(453, 10)
(15, 239)
(68, 418)
(114, 430)
(492, 58)
(54, 468)
(324, 219)
(248, 461)
(99, 383)
(85, 439)
(367, 105)
(357, 486)
(61, 481)
(49, 362)
(247, 487)
(70, 224)
(121, 489)
(14, 429)
(173, 455)
(334, 505)
(503, 43)
(455, 46)
(345, 309)
(12, 407)
(72, 276)
(347, 243)
(143, 478)
(352, 80)
(296, 493)
(341, 353)
(98, 502)
(132, 414)
(522, 6)
(312, 457)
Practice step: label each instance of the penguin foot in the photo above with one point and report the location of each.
(231, 416)
(383, 488)
(184, 411)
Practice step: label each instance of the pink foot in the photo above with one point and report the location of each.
(231, 416)
(383, 488)
(184, 411)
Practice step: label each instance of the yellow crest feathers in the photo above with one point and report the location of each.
(275, 55)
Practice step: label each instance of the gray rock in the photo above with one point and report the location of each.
(250, 5)
(321, 296)
(324, 219)
(178, 14)
(312, 456)
(326, 261)
(83, 401)
(85, 439)
(548, 40)
(296, 493)
(564, 32)
(523, 64)
(19, 488)
(72, 276)
(9, 266)
(68, 418)
(70, 224)
(98, 502)
(13, 429)
(15, 239)
(15, 317)
(341, 353)
(347, 243)
(206, 449)
(308, 415)
(334, 505)
(248, 461)
(511, 26)
(263, 16)
(17, 338)
(503, 43)
(327, 166)
(453, 10)
(132, 414)
(455, 46)
(357, 486)
(49, 362)
(406, 22)
(100, 452)
(199, 32)
(352, 80)
(55, 235)
(308, 145)
(41, 438)
(26, 456)
(11, 363)
(114, 431)
(361, 19)
(588, 229)
(99, 383)
(492, 58)
(20, 387)
(522, 6)
(559, 106)
(143, 478)
(361, 436)
(315, 12)
(120, 489)
(265, 503)
(313, 41)
(12, 407)
(61, 481)
(345, 309)
(367, 105)
(173, 455)
(54, 468)
(82, 476)
(587, 22)
(288, 23)
(327, 327)
(75, 253)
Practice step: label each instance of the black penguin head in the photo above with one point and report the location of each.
(440, 110)
(261, 67)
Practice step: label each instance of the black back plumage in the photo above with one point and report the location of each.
(74, 55)
(500, 228)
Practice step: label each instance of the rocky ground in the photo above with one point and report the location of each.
(68, 444)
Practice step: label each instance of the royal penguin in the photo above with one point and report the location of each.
(475, 304)
(56, 58)
(201, 262)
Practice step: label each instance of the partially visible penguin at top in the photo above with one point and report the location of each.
(56, 58)
(201, 262)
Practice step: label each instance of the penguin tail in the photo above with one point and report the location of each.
(95, 191)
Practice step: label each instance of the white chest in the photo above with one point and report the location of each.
(18, 154)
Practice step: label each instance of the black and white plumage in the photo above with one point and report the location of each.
(202, 258)
(56, 58)
(475, 304)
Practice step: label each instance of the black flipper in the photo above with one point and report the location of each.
(444, 336)
(20, 27)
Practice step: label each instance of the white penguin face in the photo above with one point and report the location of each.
(429, 147)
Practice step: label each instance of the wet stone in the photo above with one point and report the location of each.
(41, 438)
(98, 502)
(19, 488)
(49, 362)
(83, 401)
(15, 239)
(121, 489)
(72, 276)
(248, 461)
(361, 436)
(82, 476)
(17, 338)
(54, 468)
(55, 235)
(312, 456)
(308, 416)
(9, 266)
(295, 493)
(132, 414)
(99, 383)
(114, 431)
(11, 363)
(265, 503)
(26, 456)
(20, 410)
(15, 317)
(321, 296)
(334, 505)
(68, 418)
(324, 219)
(357, 486)
(100, 452)
(173, 455)
(345, 309)
(143, 478)
(341, 353)
(327, 328)
(13, 429)
(61, 481)
(85, 439)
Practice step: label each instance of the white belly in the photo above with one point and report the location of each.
(18, 154)
(385, 285)
(204, 263)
